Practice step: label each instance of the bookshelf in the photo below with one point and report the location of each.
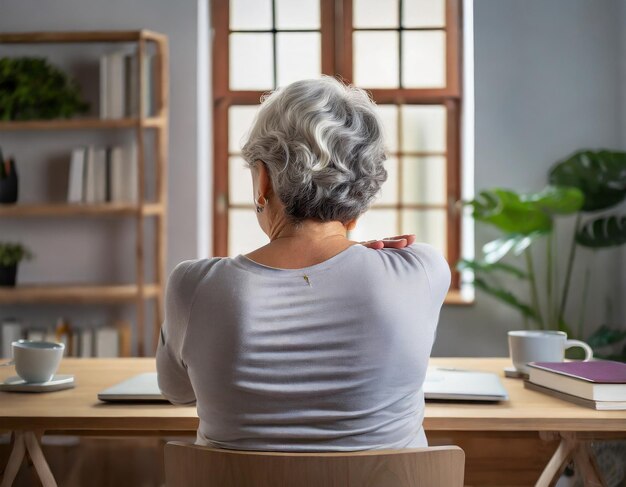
(139, 292)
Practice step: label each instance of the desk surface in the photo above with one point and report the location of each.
(79, 408)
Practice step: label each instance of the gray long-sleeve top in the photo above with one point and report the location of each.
(331, 357)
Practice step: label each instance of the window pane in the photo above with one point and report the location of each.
(375, 224)
(376, 59)
(298, 56)
(423, 13)
(428, 225)
(389, 191)
(244, 232)
(423, 128)
(424, 180)
(239, 182)
(423, 59)
(239, 123)
(250, 14)
(375, 13)
(251, 62)
(300, 14)
(389, 116)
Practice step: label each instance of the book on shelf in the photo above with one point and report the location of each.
(10, 331)
(123, 174)
(99, 175)
(85, 341)
(120, 93)
(89, 179)
(36, 334)
(75, 188)
(107, 342)
(596, 380)
(99, 179)
(581, 401)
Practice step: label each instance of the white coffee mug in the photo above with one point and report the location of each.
(541, 346)
(37, 361)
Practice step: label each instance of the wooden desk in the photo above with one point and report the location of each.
(78, 411)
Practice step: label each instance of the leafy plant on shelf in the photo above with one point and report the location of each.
(33, 89)
(585, 185)
(13, 253)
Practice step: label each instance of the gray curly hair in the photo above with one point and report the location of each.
(322, 143)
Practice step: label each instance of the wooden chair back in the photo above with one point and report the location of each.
(189, 465)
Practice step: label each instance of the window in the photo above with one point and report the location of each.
(406, 53)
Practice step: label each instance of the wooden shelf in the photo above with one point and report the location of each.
(83, 124)
(80, 36)
(69, 209)
(151, 138)
(28, 294)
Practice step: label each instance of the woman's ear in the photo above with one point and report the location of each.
(264, 181)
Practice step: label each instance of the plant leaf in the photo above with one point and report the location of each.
(557, 200)
(605, 336)
(606, 231)
(486, 267)
(497, 249)
(601, 176)
(507, 211)
(506, 297)
(562, 326)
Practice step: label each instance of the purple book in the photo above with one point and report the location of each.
(597, 380)
(596, 371)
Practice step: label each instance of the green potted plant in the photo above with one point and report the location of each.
(585, 185)
(31, 89)
(11, 254)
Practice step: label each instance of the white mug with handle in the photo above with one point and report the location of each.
(541, 346)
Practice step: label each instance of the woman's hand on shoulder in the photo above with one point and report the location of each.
(397, 242)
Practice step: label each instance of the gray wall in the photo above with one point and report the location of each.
(547, 82)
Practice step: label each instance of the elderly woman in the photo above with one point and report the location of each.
(312, 342)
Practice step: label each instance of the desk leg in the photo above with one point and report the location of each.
(15, 459)
(27, 441)
(571, 447)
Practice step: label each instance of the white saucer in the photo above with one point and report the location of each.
(513, 373)
(57, 383)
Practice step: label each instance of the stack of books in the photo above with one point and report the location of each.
(119, 85)
(597, 384)
(111, 340)
(99, 175)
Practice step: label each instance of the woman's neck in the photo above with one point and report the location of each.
(302, 245)
(309, 230)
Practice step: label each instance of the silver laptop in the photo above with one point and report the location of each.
(440, 384)
(463, 385)
(142, 387)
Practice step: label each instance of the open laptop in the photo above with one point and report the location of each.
(440, 384)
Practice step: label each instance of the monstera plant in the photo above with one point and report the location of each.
(589, 185)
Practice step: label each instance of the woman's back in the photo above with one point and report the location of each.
(328, 357)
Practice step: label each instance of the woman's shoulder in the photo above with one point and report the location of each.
(418, 254)
(192, 271)
(423, 258)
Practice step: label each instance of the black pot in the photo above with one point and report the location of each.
(7, 275)
(8, 189)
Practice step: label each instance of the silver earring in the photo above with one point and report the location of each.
(260, 207)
